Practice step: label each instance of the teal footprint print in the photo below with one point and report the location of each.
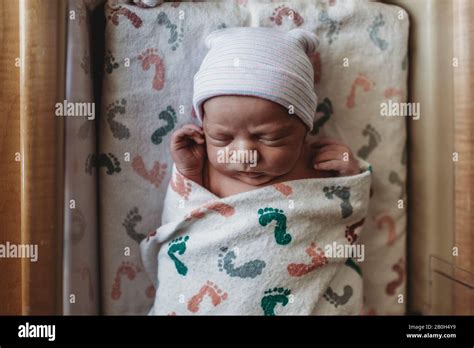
(325, 107)
(250, 269)
(272, 298)
(344, 194)
(334, 26)
(374, 32)
(168, 115)
(175, 37)
(178, 245)
(268, 215)
(350, 262)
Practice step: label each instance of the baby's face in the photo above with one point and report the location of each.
(257, 126)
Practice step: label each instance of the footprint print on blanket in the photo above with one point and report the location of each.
(109, 62)
(119, 130)
(130, 222)
(338, 300)
(109, 161)
(273, 297)
(168, 115)
(150, 58)
(374, 140)
(324, 108)
(122, 11)
(267, 215)
(373, 30)
(250, 269)
(351, 233)
(344, 194)
(315, 59)
(334, 26)
(155, 175)
(127, 269)
(284, 11)
(394, 178)
(211, 290)
(180, 185)
(361, 81)
(175, 37)
(178, 245)
(351, 263)
(284, 189)
(398, 268)
(318, 260)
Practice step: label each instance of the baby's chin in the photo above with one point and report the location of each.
(254, 179)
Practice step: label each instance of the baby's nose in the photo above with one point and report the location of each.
(247, 152)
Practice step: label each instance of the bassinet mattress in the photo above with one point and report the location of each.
(151, 55)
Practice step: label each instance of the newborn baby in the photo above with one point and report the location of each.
(274, 125)
(250, 237)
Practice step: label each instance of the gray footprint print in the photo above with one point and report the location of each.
(250, 269)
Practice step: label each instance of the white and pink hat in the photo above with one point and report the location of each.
(262, 62)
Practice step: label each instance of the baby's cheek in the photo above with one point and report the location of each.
(278, 159)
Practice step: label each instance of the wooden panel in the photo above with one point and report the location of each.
(464, 146)
(10, 289)
(430, 148)
(41, 87)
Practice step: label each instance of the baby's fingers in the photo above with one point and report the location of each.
(184, 134)
(328, 156)
(336, 165)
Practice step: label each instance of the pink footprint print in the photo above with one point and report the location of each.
(389, 93)
(209, 289)
(150, 235)
(180, 185)
(318, 260)
(86, 275)
(361, 81)
(351, 234)
(398, 268)
(223, 209)
(155, 175)
(282, 11)
(150, 57)
(122, 11)
(127, 269)
(386, 220)
(150, 291)
(284, 189)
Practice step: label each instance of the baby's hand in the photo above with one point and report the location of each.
(333, 155)
(188, 151)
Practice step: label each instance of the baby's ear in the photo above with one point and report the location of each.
(308, 40)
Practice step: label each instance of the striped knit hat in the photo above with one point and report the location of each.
(262, 62)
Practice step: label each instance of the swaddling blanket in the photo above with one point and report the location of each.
(287, 248)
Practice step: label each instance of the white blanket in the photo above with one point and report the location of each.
(287, 248)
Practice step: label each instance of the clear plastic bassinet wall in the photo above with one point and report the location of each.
(87, 190)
